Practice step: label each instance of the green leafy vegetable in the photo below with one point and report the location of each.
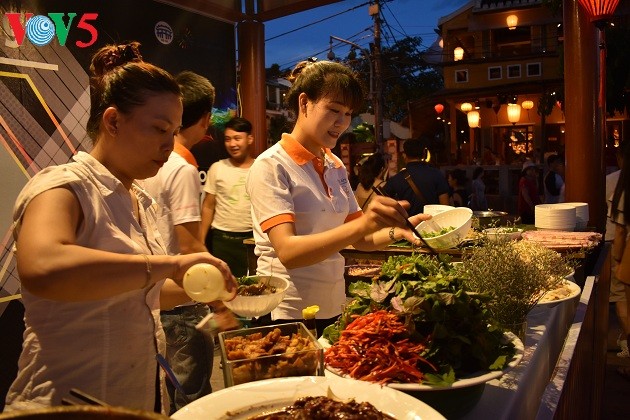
(453, 322)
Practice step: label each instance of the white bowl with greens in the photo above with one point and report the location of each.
(446, 229)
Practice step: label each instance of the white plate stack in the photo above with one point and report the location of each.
(555, 217)
(581, 214)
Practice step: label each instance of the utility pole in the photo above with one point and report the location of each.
(374, 11)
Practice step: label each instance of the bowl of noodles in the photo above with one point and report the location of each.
(257, 295)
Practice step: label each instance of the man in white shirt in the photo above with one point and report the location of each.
(177, 190)
(226, 212)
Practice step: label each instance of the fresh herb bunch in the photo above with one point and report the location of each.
(246, 280)
(453, 322)
(515, 273)
(440, 232)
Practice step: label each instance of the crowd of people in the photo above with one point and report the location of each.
(103, 242)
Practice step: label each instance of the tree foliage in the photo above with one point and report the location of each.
(405, 75)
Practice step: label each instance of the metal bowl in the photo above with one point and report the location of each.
(490, 218)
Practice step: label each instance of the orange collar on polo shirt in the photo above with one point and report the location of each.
(186, 154)
(300, 154)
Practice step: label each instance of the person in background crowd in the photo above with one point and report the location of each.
(478, 201)
(457, 181)
(617, 292)
(419, 183)
(177, 190)
(371, 173)
(554, 181)
(208, 151)
(89, 254)
(303, 209)
(226, 212)
(528, 196)
(621, 201)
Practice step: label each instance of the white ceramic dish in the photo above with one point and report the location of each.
(246, 400)
(572, 289)
(468, 381)
(460, 218)
(503, 234)
(251, 306)
(434, 209)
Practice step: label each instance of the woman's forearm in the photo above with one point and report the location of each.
(75, 273)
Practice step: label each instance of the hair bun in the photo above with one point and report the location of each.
(299, 67)
(112, 56)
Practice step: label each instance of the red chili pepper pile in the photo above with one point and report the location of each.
(376, 348)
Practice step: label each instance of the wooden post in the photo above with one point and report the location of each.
(585, 170)
(252, 98)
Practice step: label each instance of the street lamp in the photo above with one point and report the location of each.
(366, 53)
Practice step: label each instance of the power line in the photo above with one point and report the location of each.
(316, 22)
(394, 16)
(292, 63)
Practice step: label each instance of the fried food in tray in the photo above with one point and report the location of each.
(269, 352)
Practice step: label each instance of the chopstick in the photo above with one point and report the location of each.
(171, 376)
(380, 192)
(83, 397)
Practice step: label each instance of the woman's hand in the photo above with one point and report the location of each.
(383, 212)
(415, 220)
(185, 261)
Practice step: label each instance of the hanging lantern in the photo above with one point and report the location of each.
(458, 54)
(439, 108)
(473, 119)
(466, 107)
(514, 113)
(527, 105)
(512, 21)
(599, 10)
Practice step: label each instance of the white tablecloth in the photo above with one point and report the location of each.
(518, 393)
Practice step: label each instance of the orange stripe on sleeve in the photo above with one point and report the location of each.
(353, 216)
(277, 220)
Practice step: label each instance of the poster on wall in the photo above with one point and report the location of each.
(45, 51)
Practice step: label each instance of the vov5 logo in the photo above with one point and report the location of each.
(41, 29)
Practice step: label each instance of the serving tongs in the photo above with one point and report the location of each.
(87, 398)
(432, 250)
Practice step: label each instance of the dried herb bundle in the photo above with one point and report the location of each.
(516, 274)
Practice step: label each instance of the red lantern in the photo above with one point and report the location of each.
(439, 108)
(599, 9)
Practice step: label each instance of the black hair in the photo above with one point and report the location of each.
(120, 78)
(370, 169)
(459, 175)
(240, 125)
(478, 171)
(416, 148)
(197, 96)
(324, 79)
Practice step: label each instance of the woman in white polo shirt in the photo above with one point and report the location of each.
(303, 208)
